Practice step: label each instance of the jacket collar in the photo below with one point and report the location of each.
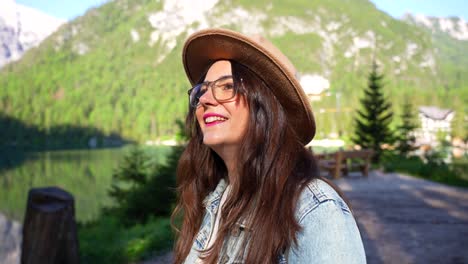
(212, 200)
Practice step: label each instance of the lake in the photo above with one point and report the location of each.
(86, 174)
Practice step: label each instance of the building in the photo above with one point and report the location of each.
(434, 123)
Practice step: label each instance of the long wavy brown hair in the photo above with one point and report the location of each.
(273, 168)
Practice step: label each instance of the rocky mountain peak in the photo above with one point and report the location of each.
(455, 27)
(22, 28)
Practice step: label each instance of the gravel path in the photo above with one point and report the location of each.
(408, 220)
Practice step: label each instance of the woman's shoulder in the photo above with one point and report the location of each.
(315, 193)
(329, 233)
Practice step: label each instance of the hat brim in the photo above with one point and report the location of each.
(205, 47)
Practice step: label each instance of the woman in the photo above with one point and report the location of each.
(249, 192)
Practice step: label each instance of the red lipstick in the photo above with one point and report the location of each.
(212, 119)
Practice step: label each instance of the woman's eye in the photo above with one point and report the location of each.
(228, 86)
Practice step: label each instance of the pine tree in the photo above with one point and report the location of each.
(406, 140)
(373, 120)
(143, 187)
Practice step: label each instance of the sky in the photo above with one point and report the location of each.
(64, 9)
(439, 8)
(69, 9)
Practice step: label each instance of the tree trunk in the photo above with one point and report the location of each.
(49, 230)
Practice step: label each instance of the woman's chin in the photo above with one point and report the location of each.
(220, 146)
(212, 142)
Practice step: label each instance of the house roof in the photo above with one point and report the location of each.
(434, 112)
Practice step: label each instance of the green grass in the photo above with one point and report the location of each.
(107, 240)
(455, 174)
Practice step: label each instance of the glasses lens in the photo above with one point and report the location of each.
(223, 88)
(195, 93)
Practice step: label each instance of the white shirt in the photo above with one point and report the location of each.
(214, 233)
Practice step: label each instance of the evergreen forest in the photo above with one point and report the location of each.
(114, 75)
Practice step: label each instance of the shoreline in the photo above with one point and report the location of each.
(10, 240)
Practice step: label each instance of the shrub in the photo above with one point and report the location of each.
(143, 188)
(432, 169)
(107, 241)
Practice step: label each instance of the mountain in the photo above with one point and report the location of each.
(117, 69)
(455, 27)
(22, 28)
(449, 37)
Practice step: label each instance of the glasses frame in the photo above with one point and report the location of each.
(212, 86)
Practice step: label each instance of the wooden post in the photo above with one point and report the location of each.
(338, 164)
(49, 230)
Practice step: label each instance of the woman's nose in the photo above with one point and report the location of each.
(208, 98)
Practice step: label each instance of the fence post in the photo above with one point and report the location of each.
(49, 230)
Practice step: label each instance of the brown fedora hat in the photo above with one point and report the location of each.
(205, 47)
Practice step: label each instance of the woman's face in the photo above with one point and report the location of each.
(223, 124)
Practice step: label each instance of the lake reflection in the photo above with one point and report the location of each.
(86, 174)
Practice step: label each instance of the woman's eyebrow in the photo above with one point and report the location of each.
(223, 76)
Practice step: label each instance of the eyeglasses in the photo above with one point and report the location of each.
(223, 89)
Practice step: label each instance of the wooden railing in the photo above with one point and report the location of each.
(342, 162)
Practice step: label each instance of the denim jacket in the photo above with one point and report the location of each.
(329, 232)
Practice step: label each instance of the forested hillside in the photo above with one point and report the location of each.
(116, 71)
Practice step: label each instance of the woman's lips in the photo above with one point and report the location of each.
(212, 119)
